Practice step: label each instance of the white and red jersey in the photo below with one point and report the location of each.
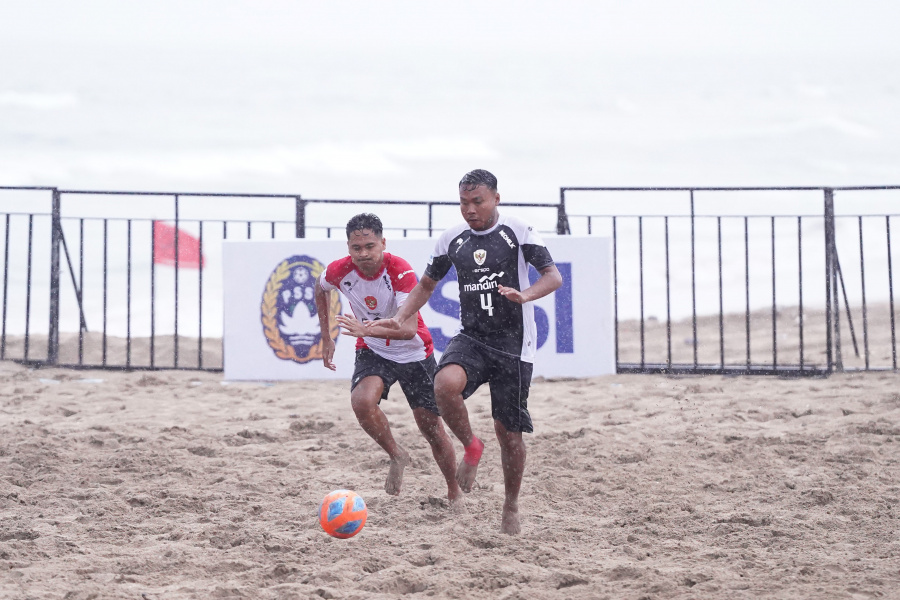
(380, 297)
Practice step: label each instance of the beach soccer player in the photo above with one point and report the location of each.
(377, 284)
(498, 339)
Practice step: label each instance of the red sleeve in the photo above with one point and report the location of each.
(337, 270)
(403, 276)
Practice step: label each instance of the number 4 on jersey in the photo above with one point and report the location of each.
(487, 303)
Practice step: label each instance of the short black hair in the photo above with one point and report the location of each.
(473, 179)
(365, 221)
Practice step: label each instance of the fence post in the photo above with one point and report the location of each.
(829, 274)
(55, 238)
(177, 231)
(562, 219)
(300, 219)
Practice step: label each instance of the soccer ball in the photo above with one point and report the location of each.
(343, 514)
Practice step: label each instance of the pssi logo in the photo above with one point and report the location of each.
(371, 302)
(289, 316)
(480, 256)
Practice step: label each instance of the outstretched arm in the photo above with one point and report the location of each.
(416, 300)
(323, 310)
(549, 281)
(352, 327)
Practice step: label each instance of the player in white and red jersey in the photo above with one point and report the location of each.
(376, 285)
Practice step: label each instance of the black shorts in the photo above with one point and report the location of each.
(416, 378)
(509, 377)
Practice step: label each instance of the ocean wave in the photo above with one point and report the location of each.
(335, 158)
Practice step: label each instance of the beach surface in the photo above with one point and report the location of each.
(177, 484)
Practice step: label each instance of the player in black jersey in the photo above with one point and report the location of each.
(498, 339)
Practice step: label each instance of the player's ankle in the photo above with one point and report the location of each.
(473, 451)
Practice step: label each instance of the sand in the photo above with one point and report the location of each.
(167, 485)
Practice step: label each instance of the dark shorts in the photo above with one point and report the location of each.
(416, 378)
(509, 377)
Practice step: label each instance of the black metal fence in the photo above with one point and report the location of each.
(706, 280)
(82, 286)
(733, 290)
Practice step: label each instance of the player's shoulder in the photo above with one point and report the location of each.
(524, 231)
(451, 233)
(396, 264)
(516, 224)
(338, 269)
(402, 274)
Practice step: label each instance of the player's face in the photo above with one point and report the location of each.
(479, 207)
(366, 250)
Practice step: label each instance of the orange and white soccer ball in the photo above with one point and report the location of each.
(343, 514)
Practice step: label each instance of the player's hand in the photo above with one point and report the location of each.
(386, 323)
(351, 326)
(512, 294)
(328, 353)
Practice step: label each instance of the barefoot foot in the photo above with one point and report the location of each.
(395, 473)
(456, 497)
(468, 466)
(465, 476)
(509, 521)
(458, 505)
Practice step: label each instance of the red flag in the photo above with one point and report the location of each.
(189, 255)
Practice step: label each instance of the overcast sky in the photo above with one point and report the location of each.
(396, 98)
(641, 26)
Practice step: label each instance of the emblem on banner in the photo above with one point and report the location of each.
(289, 316)
(480, 257)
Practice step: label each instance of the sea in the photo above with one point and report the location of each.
(293, 99)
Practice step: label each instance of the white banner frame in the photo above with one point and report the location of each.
(576, 336)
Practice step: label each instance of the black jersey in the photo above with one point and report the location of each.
(485, 260)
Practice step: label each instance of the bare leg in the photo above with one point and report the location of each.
(512, 455)
(364, 399)
(432, 427)
(448, 387)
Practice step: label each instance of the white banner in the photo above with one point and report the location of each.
(267, 338)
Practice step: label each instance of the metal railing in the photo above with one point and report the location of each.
(720, 291)
(98, 271)
(792, 259)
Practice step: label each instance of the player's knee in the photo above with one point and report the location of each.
(449, 383)
(363, 404)
(511, 439)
